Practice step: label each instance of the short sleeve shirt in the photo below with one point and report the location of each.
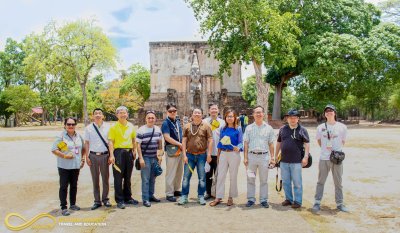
(74, 146)
(143, 137)
(338, 134)
(122, 135)
(259, 137)
(197, 137)
(215, 132)
(292, 143)
(95, 142)
(173, 128)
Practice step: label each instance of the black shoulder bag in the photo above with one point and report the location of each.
(101, 137)
(137, 162)
(335, 157)
(303, 152)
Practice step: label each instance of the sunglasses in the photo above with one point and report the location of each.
(172, 111)
(71, 124)
(329, 110)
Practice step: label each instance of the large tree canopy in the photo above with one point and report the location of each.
(332, 31)
(249, 31)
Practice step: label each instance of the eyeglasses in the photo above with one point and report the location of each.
(71, 124)
(172, 111)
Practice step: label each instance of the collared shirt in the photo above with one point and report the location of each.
(122, 135)
(95, 142)
(337, 133)
(197, 137)
(173, 128)
(215, 132)
(259, 137)
(236, 137)
(292, 143)
(74, 145)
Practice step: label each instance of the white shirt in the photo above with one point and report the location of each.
(215, 133)
(259, 137)
(337, 133)
(95, 142)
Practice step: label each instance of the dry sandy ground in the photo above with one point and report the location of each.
(29, 186)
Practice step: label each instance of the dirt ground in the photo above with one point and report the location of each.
(29, 186)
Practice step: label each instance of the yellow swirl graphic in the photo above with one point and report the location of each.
(27, 223)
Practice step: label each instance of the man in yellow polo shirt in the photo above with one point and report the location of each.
(122, 153)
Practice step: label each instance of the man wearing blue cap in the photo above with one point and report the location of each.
(292, 139)
(331, 136)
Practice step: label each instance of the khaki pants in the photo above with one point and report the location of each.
(173, 176)
(228, 161)
(337, 171)
(259, 162)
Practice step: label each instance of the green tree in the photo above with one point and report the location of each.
(81, 48)
(11, 64)
(249, 31)
(137, 80)
(326, 25)
(21, 100)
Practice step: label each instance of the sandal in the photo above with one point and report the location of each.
(215, 202)
(230, 202)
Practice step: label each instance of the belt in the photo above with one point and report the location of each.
(226, 150)
(99, 153)
(259, 153)
(198, 153)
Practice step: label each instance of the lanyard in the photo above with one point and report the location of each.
(176, 128)
(74, 141)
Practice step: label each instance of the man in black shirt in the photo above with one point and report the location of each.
(292, 140)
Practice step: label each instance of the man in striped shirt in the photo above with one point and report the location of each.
(258, 152)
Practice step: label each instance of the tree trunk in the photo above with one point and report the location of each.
(262, 88)
(276, 111)
(42, 122)
(85, 112)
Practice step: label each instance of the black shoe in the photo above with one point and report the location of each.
(265, 204)
(249, 203)
(132, 202)
(107, 204)
(74, 207)
(95, 206)
(177, 193)
(146, 203)
(121, 205)
(171, 199)
(154, 199)
(207, 196)
(65, 212)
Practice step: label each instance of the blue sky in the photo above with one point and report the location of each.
(131, 24)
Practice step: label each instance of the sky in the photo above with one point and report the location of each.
(130, 24)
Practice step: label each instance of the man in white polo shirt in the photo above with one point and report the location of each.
(258, 149)
(96, 140)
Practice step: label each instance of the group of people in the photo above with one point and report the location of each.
(212, 146)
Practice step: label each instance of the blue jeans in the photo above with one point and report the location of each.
(291, 173)
(195, 161)
(148, 177)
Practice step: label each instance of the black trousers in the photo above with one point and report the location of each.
(210, 174)
(68, 177)
(122, 181)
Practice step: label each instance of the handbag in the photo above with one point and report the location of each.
(172, 150)
(335, 157)
(137, 162)
(157, 169)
